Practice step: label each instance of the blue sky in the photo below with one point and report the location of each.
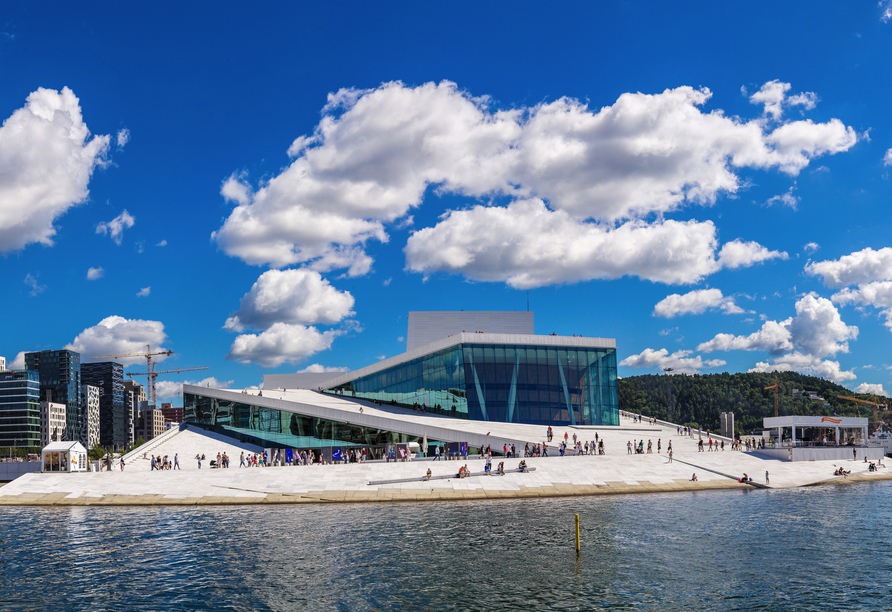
(270, 188)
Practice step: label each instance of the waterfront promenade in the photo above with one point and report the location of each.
(614, 473)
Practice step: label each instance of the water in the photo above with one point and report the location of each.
(802, 549)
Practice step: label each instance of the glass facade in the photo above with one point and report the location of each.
(271, 428)
(511, 383)
(19, 408)
(60, 382)
(114, 416)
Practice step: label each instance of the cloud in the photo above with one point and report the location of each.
(526, 245)
(116, 335)
(36, 288)
(319, 369)
(375, 153)
(860, 267)
(679, 361)
(123, 138)
(291, 296)
(162, 243)
(170, 390)
(811, 247)
(144, 292)
(887, 158)
(695, 302)
(773, 96)
(806, 364)
(877, 294)
(48, 158)
(873, 389)
(816, 330)
(886, 7)
(116, 226)
(95, 273)
(785, 199)
(387, 281)
(281, 343)
(19, 362)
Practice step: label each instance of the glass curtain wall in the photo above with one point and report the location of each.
(507, 383)
(435, 381)
(271, 428)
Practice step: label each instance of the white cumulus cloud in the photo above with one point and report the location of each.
(95, 273)
(873, 389)
(375, 153)
(679, 361)
(291, 296)
(806, 364)
(526, 245)
(144, 292)
(47, 159)
(115, 228)
(862, 266)
(19, 362)
(695, 302)
(281, 343)
(116, 335)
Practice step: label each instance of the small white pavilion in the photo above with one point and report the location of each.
(64, 457)
(820, 431)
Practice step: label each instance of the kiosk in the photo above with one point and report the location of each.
(63, 457)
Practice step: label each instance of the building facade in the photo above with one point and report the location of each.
(52, 422)
(172, 413)
(89, 435)
(114, 421)
(546, 380)
(60, 382)
(149, 424)
(19, 408)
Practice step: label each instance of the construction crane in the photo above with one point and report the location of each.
(153, 375)
(775, 386)
(150, 368)
(874, 403)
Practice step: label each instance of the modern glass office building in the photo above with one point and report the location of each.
(19, 408)
(114, 424)
(506, 382)
(60, 382)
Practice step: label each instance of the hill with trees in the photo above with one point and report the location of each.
(699, 400)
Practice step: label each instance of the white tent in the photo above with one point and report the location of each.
(63, 457)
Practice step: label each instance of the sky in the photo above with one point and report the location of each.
(272, 188)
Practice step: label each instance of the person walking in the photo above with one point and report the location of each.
(122, 464)
(670, 455)
(766, 476)
(241, 463)
(176, 461)
(198, 458)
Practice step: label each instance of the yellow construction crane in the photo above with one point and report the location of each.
(775, 386)
(150, 369)
(874, 403)
(153, 375)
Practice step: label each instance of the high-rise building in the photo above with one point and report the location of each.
(60, 382)
(19, 408)
(89, 436)
(52, 422)
(150, 424)
(2, 364)
(135, 398)
(113, 417)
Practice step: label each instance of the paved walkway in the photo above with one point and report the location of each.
(616, 472)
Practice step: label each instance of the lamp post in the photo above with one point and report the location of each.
(669, 407)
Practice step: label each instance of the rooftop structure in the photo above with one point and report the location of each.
(427, 327)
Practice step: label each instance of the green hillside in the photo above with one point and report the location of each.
(699, 400)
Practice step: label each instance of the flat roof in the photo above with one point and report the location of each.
(814, 421)
(474, 338)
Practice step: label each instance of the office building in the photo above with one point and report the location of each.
(52, 423)
(60, 382)
(19, 408)
(114, 421)
(89, 435)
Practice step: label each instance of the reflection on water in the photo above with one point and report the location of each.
(801, 549)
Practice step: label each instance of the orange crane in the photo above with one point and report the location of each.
(153, 375)
(775, 386)
(874, 403)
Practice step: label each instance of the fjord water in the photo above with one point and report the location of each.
(813, 548)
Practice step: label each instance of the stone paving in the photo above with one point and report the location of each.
(616, 472)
